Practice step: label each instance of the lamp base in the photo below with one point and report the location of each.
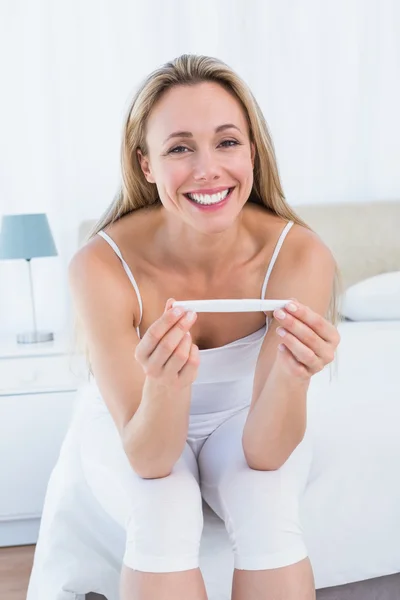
(35, 337)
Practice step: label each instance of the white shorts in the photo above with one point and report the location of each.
(163, 518)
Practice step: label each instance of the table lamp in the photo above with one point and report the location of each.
(27, 236)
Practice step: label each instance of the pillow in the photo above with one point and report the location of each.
(374, 299)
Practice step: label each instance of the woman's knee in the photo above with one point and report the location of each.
(165, 525)
(175, 498)
(162, 518)
(262, 518)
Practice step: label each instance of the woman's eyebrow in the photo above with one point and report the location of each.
(188, 134)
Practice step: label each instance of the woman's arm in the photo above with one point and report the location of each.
(152, 419)
(277, 417)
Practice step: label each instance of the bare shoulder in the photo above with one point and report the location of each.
(308, 271)
(133, 231)
(96, 269)
(304, 261)
(308, 251)
(96, 277)
(300, 245)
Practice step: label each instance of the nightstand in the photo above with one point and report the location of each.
(38, 384)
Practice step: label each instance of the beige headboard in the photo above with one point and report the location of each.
(363, 236)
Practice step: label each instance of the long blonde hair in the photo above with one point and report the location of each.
(136, 192)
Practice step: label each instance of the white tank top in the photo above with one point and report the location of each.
(225, 375)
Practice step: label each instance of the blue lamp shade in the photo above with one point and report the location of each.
(26, 236)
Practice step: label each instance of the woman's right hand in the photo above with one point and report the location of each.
(166, 352)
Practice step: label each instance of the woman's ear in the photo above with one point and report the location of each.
(145, 165)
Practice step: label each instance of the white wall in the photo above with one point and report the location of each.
(325, 74)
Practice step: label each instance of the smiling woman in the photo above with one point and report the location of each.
(184, 163)
(202, 405)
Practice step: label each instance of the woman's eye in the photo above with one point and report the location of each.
(173, 150)
(179, 149)
(234, 142)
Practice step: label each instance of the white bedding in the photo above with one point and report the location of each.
(351, 507)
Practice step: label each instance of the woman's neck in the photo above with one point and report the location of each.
(186, 250)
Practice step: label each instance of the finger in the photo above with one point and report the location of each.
(169, 304)
(157, 331)
(304, 313)
(170, 341)
(302, 353)
(192, 364)
(305, 334)
(179, 357)
(296, 368)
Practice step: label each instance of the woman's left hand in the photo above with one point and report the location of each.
(309, 341)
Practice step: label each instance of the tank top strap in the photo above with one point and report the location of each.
(275, 256)
(127, 271)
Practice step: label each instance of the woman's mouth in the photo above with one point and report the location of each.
(209, 202)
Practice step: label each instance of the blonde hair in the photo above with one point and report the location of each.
(136, 192)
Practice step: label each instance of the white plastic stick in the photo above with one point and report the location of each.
(236, 305)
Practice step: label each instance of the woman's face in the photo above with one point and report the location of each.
(198, 144)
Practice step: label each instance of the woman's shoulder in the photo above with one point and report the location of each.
(133, 227)
(268, 226)
(305, 242)
(302, 255)
(300, 238)
(302, 247)
(103, 263)
(131, 235)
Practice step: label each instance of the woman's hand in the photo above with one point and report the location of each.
(166, 351)
(308, 340)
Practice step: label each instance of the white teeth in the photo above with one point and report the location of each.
(207, 199)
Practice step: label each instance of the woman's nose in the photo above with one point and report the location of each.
(205, 167)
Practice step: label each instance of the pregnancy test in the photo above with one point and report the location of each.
(236, 305)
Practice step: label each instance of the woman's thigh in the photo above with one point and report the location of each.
(114, 482)
(260, 508)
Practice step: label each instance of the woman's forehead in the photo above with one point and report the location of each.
(199, 108)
